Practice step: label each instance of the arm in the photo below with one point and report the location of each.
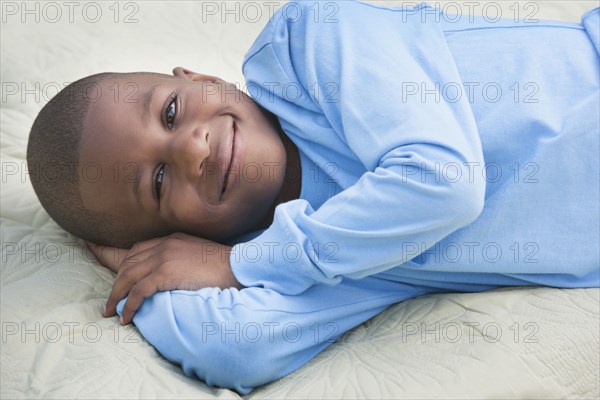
(373, 56)
(177, 261)
(241, 339)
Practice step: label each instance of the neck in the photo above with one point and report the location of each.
(292, 182)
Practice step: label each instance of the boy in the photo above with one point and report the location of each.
(381, 179)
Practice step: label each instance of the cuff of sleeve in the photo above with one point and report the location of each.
(271, 260)
(120, 306)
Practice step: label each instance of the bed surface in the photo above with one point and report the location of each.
(527, 342)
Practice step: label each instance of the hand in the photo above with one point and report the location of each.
(178, 261)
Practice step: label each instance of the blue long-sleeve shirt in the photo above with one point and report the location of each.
(437, 154)
(405, 121)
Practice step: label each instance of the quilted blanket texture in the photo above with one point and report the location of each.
(515, 342)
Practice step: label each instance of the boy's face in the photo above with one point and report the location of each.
(155, 151)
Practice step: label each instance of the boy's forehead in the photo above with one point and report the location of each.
(127, 88)
(121, 95)
(146, 78)
(132, 86)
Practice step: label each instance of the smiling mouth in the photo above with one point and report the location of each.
(228, 170)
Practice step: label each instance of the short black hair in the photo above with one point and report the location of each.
(53, 161)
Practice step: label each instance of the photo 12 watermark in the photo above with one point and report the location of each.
(52, 12)
(68, 331)
(469, 172)
(453, 92)
(468, 332)
(524, 12)
(471, 252)
(261, 11)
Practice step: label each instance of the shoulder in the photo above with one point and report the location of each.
(298, 22)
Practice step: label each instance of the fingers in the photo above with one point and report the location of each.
(133, 269)
(137, 283)
(137, 276)
(142, 290)
(112, 257)
(126, 279)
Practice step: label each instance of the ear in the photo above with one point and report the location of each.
(181, 72)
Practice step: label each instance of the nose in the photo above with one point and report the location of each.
(189, 152)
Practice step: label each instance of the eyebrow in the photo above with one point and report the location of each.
(147, 101)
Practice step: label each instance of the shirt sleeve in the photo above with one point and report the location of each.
(379, 62)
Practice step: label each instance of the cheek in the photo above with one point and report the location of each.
(272, 162)
(188, 210)
(261, 172)
(100, 195)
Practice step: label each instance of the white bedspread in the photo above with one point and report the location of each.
(511, 343)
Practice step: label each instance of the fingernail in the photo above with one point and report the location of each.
(104, 310)
(121, 320)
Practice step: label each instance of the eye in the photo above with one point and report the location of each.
(171, 112)
(158, 180)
